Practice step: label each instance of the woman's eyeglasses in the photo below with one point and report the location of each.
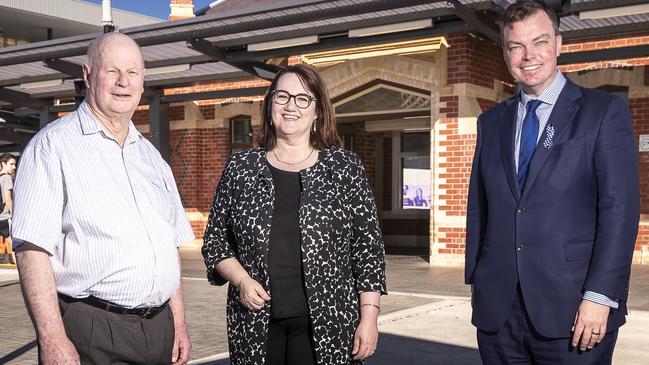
(302, 101)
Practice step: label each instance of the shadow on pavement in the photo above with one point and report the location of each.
(17, 352)
(395, 349)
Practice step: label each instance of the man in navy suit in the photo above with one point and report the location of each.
(553, 209)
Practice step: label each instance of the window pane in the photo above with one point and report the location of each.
(416, 142)
(241, 129)
(416, 182)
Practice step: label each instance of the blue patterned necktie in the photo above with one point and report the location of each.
(529, 135)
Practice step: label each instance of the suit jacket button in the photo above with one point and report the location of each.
(521, 210)
(520, 247)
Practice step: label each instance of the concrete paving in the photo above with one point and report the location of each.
(425, 319)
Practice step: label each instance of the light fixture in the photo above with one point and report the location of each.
(613, 12)
(168, 69)
(411, 47)
(41, 84)
(390, 28)
(283, 43)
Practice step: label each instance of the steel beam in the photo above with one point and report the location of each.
(475, 20)
(8, 134)
(159, 125)
(20, 99)
(46, 116)
(255, 68)
(72, 69)
(607, 54)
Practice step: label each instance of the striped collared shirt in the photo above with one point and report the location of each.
(110, 216)
(548, 98)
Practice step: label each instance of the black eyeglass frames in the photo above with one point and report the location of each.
(302, 101)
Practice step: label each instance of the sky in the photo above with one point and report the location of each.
(154, 8)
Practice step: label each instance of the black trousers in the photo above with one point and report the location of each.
(102, 337)
(518, 343)
(290, 342)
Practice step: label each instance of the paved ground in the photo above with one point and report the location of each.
(424, 320)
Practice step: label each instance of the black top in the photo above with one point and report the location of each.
(285, 256)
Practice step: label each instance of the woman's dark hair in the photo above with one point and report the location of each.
(523, 9)
(5, 158)
(325, 135)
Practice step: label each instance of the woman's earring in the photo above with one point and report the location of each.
(271, 122)
(314, 123)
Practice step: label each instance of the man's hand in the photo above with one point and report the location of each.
(251, 294)
(182, 345)
(365, 339)
(58, 351)
(590, 324)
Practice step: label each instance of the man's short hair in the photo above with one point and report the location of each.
(523, 9)
(94, 48)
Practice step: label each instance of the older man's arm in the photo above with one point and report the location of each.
(182, 343)
(39, 292)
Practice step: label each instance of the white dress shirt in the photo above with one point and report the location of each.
(110, 216)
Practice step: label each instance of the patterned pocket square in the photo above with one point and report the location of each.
(549, 137)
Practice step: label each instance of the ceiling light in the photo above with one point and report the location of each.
(283, 43)
(390, 28)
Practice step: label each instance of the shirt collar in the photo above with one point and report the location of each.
(90, 125)
(551, 94)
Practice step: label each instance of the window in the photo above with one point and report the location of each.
(240, 133)
(415, 170)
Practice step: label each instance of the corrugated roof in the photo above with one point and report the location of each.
(165, 43)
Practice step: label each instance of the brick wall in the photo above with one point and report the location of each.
(474, 61)
(455, 153)
(486, 104)
(641, 253)
(454, 240)
(243, 83)
(364, 148)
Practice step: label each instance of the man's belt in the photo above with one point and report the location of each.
(147, 313)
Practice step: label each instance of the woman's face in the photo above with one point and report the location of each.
(9, 167)
(289, 120)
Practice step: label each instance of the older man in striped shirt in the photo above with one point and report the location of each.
(97, 225)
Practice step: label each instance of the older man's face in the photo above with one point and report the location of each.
(531, 49)
(116, 82)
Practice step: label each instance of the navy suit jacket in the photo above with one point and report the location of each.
(574, 226)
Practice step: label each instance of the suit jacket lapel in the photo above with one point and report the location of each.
(562, 115)
(507, 143)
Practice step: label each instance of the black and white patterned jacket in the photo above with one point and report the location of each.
(342, 248)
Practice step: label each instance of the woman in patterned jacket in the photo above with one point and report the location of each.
(293, 229)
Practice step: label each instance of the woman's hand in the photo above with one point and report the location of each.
(251, 294)
(365, 339)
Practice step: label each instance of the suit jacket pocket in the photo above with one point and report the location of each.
(578, 250)
(565, 161)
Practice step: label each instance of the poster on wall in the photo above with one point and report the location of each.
(416, 189)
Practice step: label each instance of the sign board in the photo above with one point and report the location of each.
(644, 143)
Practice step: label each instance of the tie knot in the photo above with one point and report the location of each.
(533, 104)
